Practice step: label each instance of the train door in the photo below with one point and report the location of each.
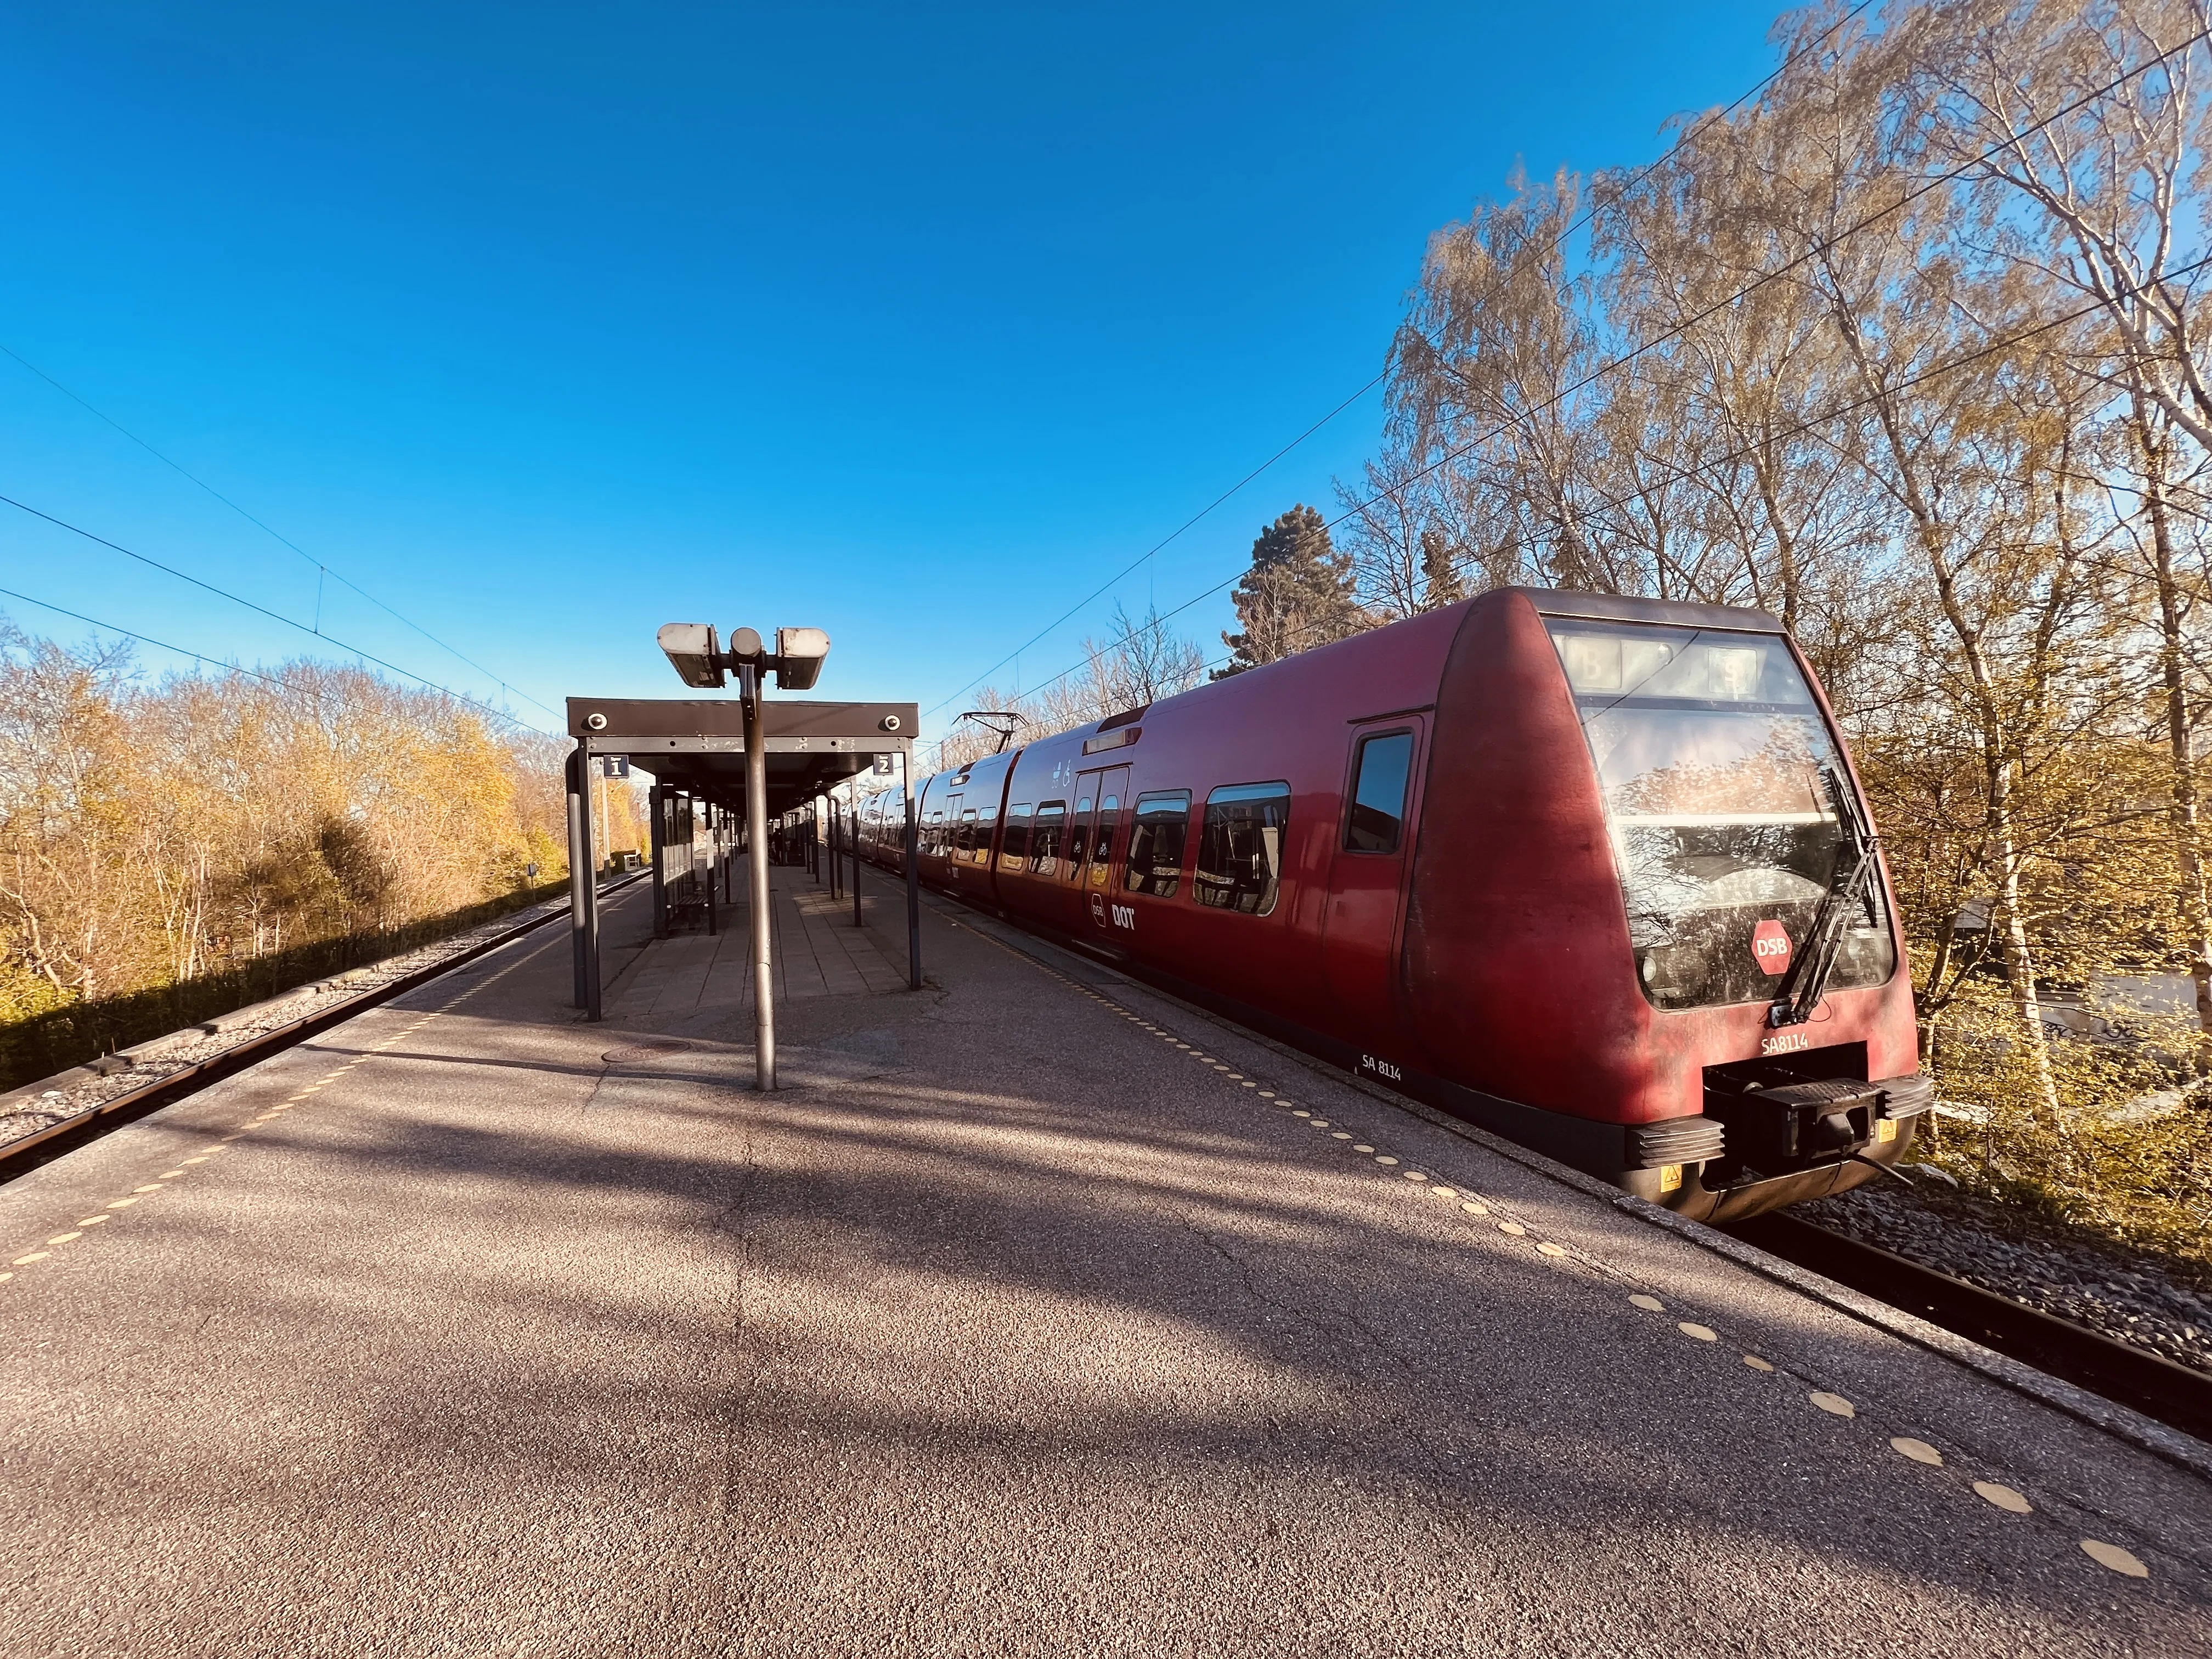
(1101, 847)
(1366, 883)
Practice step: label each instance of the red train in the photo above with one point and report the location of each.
(1592, 873)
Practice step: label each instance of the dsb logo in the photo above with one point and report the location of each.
(1770, 947)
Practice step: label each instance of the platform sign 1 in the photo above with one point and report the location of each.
(614, 766)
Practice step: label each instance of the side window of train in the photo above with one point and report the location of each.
(987, 825)
(1380, 774)
(1048, 837)
(1240, 848)
(963, 844)
(1014, 845)
(932, 835)
(1155, 865)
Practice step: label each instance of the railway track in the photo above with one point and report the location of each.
(19, 1158)
(2172, 1394)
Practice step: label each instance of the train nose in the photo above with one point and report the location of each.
(1782, 1127)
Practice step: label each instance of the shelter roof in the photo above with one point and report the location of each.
(698, 744)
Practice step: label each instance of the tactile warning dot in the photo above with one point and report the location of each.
(1648, 1304)
(1340, 1134)
(1513, 1227)
(1363, 1148)
(2113, 1556)
(1473, 1208)
(1834, 1404)
(1757, 1364)
(1549, 1248)
(2003, 1497)
(1385, 1159)
(1702, 1333)
(1918, 1450)
(1413, 1174)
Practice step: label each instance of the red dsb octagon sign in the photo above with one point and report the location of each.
(1770, 947)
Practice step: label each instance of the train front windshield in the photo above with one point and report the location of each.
(1722, 788)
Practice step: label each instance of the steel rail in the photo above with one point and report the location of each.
(36, 1150)
(2174, 1394)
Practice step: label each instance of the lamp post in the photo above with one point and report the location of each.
(796, 663)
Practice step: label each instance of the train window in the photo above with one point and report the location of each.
(1014, 844)
(932, 835)
(1726, 797)
(963, 844)
(1078, 838)
(1240, 848)
(1046, 839)
(1102, 845)
(1155, 866)
(1379, 777)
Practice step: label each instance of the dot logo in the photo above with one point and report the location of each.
(1770, 947)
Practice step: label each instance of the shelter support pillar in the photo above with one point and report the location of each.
(657, 808)
(587, 888)
(707, 811)
(757, 814)
(579, 869)
(913, 893)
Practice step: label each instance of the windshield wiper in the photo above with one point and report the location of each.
(1808, 981)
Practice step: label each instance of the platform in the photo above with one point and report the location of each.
(816, 952)
(1041, 1314)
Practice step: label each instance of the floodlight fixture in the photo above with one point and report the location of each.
(698, 661)
(798, 656)
(691, 651)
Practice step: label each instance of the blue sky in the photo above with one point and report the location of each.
(548, 324)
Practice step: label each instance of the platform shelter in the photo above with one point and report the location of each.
(695, 749)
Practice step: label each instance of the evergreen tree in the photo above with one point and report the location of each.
(1297, 594)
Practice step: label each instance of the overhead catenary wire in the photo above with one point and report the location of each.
(322, 568)
(1628, 185)
(143, 639)
(1613, 364)
(274, 615)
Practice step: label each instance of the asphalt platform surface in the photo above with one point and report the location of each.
(1031, 1318)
